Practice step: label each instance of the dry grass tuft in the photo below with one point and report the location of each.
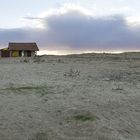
(72, 73)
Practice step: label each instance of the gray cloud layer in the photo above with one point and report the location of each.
(78, 31)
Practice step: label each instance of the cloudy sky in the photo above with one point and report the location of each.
(69, 26)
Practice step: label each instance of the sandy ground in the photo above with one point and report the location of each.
(77, 97)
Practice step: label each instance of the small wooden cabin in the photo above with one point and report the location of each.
(20, 50)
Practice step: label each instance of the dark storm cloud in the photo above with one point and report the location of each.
(79, 31)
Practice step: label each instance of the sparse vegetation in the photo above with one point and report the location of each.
(118, 76)
(72, 73)
(83, 117)
(25, 60)
(69, 99)
(134, 64)
(60, 61)
(25, 88)
(115, 76)
(38, 59)
(41, 90)
(41, 136)
(118, 88)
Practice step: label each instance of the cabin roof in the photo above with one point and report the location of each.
(23, 46)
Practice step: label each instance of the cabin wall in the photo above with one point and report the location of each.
(22, 53)
(7, 53)
(15, 54)
(4, 53)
